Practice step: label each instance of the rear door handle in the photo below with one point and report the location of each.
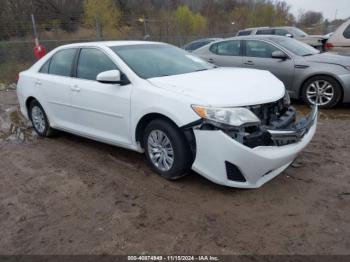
(38, 82)
(75, 88)
(249, 63)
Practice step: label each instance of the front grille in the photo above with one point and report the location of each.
(270, 112)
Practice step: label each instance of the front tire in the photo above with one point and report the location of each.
(323, 91)
(167, 149)
(39, 120)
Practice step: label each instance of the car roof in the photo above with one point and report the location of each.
(254, 28)
(257, 37)
(111, 43)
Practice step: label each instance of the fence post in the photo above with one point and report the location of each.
(98, 28)
(36, 39)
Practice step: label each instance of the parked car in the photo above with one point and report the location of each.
(316, 41)
(339, 42)
(319, 79)
(181, 111)
(190, 47)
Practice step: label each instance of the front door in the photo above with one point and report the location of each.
(101, 110)
(258, 54)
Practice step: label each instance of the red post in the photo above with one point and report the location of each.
(39, 50)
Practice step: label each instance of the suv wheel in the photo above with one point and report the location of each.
(323, 91)
(167, 149)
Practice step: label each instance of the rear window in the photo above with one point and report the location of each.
(346, 33)
(197, 45)
(246, 32)
(227, 48)
(265, 32)
(62, 62)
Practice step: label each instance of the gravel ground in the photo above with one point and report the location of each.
(70, 195)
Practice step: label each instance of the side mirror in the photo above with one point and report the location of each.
(110, 77)
(279, 55)
(289, 35)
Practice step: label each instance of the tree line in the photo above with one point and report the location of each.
(147, 18)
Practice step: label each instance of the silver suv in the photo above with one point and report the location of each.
(316, 41)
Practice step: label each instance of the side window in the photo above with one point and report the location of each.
(45, 68)
(246, 32)
(259, 49)
(281, 32)
(62, 62)
(228, 48)
(346, 33)
(265, 32)
(92, 62)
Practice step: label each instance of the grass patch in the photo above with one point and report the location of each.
(9, 71)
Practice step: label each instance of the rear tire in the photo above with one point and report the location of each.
(39, 120)
(167, 149)
(323, 91)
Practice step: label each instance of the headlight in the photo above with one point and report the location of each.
(286, 99)
(230, 116)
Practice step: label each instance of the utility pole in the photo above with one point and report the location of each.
(144, 21)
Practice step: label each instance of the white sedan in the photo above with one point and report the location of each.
(233, 126)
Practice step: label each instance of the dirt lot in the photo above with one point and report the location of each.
(70, 195)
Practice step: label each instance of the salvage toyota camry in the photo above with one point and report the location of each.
(233, 126)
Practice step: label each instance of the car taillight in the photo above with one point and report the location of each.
(17, 79)
(329, 46)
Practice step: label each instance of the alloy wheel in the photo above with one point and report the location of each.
(160, 150)
(38, 119)
(320, 92)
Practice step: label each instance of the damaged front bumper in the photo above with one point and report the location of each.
(230, 162)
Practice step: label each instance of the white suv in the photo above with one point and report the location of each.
(339, 42)
(233, 126)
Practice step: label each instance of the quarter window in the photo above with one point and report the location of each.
(93, 62)
(265, 32)
(281, 32)
(259, 49)
(347, 32)
(247, 32)
(62, 62)
(45, 68)
(227, 48)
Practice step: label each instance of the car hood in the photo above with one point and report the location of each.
(225, 87)
(329, 58)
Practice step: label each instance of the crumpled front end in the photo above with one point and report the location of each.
(249, 156)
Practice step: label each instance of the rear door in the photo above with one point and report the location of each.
(258, 55)
(102, 110)
(225, 53)
(55, 81)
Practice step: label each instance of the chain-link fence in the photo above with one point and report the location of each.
(16, 56)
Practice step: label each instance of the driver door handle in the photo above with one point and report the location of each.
(249, 63)
(75, 88)
(211, 60)
(38, 82)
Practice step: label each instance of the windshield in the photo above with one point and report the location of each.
(156, 60)
(297, 32)
(297, 47)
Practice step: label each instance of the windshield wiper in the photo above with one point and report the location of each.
(199, 70)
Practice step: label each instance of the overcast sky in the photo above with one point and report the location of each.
(327, 7)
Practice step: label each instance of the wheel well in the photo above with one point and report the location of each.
(307, 79)
(145, 120)
(28, 102)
